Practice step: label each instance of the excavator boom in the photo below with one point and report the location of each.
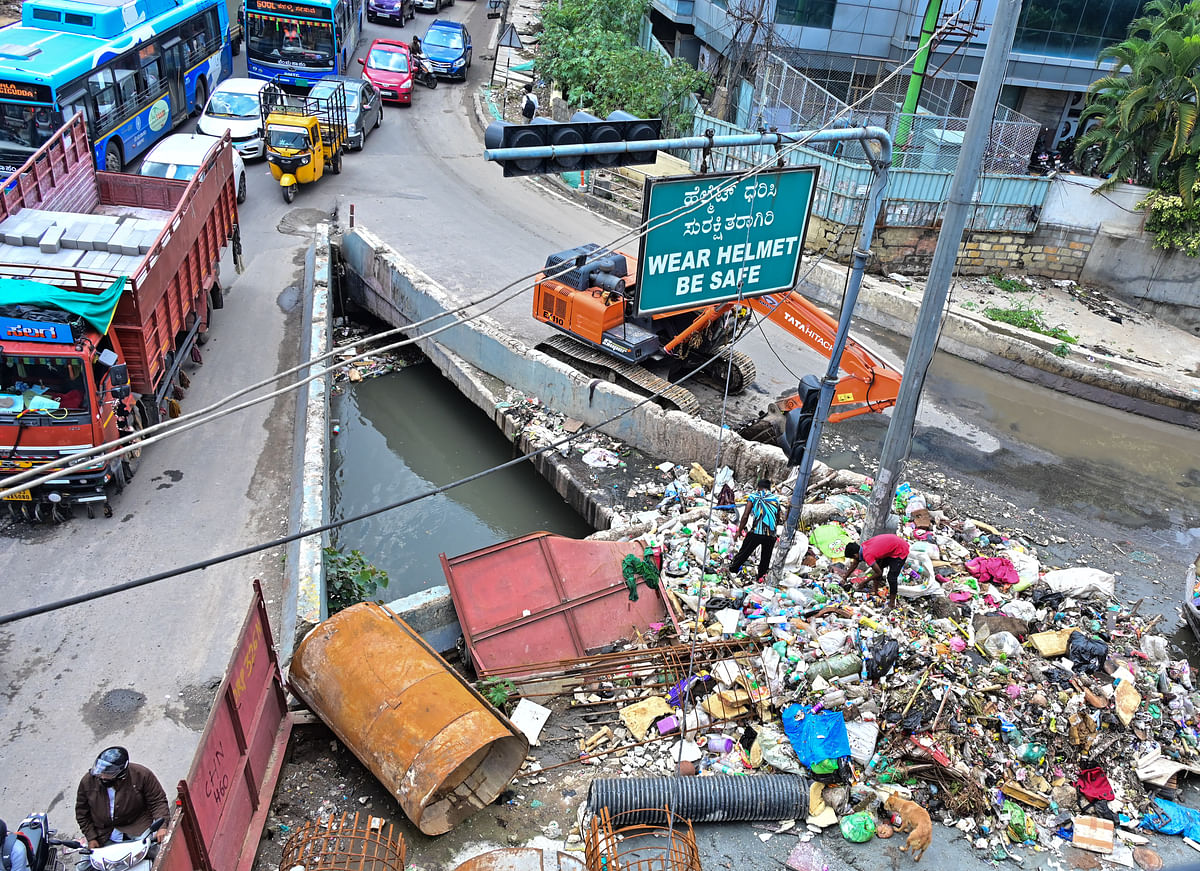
(869, 384)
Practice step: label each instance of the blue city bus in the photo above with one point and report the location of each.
(135, 70)
(299, 43)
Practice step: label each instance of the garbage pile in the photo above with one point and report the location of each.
(379, 363)
(1017, 702)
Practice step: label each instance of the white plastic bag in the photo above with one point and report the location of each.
(1082, 582)
(1002, 643)
(1020, 609)
(1024, 562)
(927, 584)
(862, 734)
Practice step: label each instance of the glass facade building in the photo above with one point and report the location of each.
(1077, 29)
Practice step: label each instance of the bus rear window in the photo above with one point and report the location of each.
(46, 15)
(76, 18)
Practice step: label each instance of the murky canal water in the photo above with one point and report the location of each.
(409, 432)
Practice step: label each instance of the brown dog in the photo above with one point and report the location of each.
(914, 819)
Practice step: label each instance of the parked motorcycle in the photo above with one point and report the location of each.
(137, 854)
(41, 843)
(423, 73)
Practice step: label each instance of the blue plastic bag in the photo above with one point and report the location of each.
(1173, 819)
(815, 737)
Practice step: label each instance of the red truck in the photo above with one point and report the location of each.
(107, 285)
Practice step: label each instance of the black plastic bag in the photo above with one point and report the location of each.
(1088, 655)
(1043, 597)
(883, 658)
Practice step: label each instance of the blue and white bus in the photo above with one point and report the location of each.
(299, 43)
(135, 69)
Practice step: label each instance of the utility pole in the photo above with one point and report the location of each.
(924, 340)
(879, 153)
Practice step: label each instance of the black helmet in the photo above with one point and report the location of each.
(111, 763)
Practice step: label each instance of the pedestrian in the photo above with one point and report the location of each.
(529, 105)
(762, 516)
(884, 555)
(117, 800)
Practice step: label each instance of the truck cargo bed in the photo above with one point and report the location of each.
(64, 223)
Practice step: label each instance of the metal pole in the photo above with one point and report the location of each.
(880, 163)
(924, 341)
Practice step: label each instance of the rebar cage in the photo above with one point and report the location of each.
(345, 844)
(610, 846)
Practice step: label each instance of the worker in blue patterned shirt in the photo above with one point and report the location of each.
(762, 516)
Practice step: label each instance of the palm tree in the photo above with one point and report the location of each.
(1146, 109)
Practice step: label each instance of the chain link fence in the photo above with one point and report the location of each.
(812, 96)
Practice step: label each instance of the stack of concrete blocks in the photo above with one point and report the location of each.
(99, 243)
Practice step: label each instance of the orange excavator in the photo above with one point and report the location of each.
(588, 292)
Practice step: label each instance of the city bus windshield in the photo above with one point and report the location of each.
(290, 42)
(25, 127)
(42, 384)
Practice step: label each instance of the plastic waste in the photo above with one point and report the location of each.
(1002, 644)
(883, 658)
(1020, 827)
(858, 828)
(1173, 819)
(862, 735)
(839, 665)
(1031, 752)
(1088, 654)
(1082, 582)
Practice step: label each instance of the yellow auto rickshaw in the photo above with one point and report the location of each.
(304, 136)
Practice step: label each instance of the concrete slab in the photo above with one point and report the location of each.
(34, 227)
(72, 237)
(51, 240)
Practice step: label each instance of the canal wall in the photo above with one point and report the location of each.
(480, 359)
(305, 598)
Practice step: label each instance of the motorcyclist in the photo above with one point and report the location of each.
(414, 47)
(118, 800)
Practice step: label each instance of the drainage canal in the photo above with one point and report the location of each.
(409, 431)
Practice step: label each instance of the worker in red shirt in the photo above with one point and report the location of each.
(885, 555)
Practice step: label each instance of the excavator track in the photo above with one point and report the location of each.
(600, 365)
(740, 377)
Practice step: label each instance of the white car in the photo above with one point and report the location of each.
(234, 106)
(179, 155)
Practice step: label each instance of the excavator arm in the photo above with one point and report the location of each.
(869, 385)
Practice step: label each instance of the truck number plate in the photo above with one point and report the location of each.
(20, 496)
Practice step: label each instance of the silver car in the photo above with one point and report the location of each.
(364, 106)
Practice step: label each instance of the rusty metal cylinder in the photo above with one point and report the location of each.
(416, 724)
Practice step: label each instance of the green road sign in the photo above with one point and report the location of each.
(720, 237)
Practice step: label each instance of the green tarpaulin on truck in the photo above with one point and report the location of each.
(95, 307)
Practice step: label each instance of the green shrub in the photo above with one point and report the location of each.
(350, 579)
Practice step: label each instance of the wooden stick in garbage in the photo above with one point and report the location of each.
(916, 692)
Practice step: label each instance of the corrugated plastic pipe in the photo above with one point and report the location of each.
(720, 798)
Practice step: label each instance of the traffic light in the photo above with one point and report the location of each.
(798, 422)
(582, 129)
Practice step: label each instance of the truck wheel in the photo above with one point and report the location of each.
(241, 193)
(236, 46)
(113, 161)
(335, 166)
(289, 193)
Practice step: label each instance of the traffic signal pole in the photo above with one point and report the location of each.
(896, 443)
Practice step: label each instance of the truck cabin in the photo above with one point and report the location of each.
(61, 384)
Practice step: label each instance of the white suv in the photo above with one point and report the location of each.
(179, 155)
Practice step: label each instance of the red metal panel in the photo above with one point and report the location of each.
(542, 597)
(223, 802)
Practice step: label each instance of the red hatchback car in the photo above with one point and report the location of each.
(388, 66)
